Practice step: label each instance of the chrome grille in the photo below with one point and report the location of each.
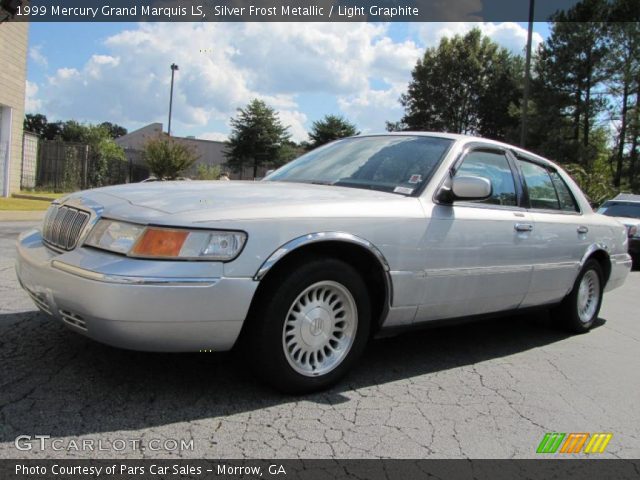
(63, 225)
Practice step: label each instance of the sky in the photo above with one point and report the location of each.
(120, 72)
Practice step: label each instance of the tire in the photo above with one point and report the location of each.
(309, 326)
(579, 310)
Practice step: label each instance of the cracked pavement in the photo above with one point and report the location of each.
(489, 389)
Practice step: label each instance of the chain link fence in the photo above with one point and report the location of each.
(68, 166)
(29, 161)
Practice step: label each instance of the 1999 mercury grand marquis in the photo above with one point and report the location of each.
(361, 235)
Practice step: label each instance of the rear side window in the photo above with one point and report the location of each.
(542, 192)
(565, 197)
(494, 167)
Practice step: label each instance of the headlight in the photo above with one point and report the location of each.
(167, 243)
(114, 236)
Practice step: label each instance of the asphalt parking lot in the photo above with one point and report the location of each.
(482, 390)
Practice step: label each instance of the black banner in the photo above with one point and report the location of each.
(319, 469)
(287, 10)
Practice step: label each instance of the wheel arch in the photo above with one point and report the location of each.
(600, 253)
(363, 255)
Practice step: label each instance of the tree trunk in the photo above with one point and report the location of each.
(634, 144)
(576, 116)
(623, 133)
(587, 111)
(255, 168)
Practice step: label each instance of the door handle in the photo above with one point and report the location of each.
(582, 229)
(523, 227)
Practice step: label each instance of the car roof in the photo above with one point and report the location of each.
(467, 139)
(626, 197)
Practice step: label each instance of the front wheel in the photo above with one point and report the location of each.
(579, 310)
(310, 326)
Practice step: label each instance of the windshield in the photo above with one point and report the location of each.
(621, 209)
(395, 163)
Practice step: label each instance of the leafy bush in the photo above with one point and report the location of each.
(596, 184)
(168, 159)
(208, 172)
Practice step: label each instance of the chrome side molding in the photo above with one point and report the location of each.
(131, 280)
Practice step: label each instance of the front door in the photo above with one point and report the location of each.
(478, 256)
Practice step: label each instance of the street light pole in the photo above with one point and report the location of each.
(527, 78)
(174, 67)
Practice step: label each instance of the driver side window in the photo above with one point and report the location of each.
(494, 167)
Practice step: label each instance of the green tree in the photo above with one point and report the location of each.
(464, 85)
(257, 138)
(106, 156)
(168, 159)
(569, 69)
(115, 130)
(330, 128)
(35, 123)
(73, 131)
(622, 66)
(38, 124)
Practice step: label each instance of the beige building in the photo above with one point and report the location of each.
(209, 152)
(13, 79)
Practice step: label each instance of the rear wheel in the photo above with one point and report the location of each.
(310, 326)
(579, 310)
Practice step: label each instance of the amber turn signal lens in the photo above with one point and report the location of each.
(160, 243)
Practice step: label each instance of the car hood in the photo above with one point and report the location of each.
(217, 200)
(628, 220)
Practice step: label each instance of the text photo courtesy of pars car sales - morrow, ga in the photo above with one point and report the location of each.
(319, 239)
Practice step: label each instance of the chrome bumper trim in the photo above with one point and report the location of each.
(129, 280)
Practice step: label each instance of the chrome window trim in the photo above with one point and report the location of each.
(547, 166)
(466, 150)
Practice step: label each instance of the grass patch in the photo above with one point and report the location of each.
(43, 194)
(22, 204)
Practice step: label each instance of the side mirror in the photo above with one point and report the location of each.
(471, 188)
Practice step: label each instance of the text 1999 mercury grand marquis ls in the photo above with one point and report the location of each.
(361, 235)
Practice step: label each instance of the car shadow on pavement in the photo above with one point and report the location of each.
(60, 383)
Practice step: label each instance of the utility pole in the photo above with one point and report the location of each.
(527, 78)
(174, 67)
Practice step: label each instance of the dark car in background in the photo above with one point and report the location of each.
(626, 209)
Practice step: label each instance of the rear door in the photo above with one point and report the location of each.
(560, 237)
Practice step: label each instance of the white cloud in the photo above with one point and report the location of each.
(32, 103)
(222, 66)
(296, 122)
(507, 34)
(35, 54)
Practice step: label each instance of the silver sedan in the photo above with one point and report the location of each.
(364, 235)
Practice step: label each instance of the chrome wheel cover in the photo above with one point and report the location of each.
(588, 296)
(320, 328)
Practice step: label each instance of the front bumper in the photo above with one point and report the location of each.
(137, 304)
